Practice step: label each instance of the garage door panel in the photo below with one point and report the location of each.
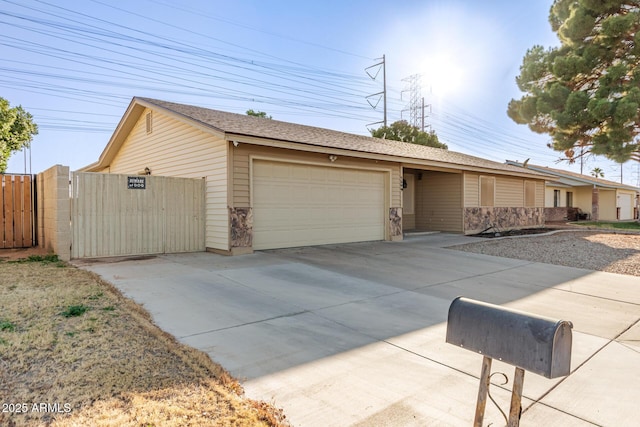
(264, 171)
(318, 175)
(315, 205)
(367, 194)
(284, 238)
(318, 195)
(350, 194)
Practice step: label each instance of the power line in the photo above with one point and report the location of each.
(201, 13)
(267, 85)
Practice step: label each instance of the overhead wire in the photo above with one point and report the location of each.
(192, 50)
(244, 81)
(220, 19)
(150, 62)
(253, 96)
(468, 131)
(201, 14)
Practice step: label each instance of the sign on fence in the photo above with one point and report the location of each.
(136, 182)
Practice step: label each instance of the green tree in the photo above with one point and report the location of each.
(586, 93)
(403, 131)
(258, 114)
(16, 131)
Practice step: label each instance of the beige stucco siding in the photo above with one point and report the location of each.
(582, 198)
(241, 168)
(607, 205)
(174, 148)
(438, 203)
(549, 196)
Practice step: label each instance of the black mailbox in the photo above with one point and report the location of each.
(533, 343)
(527, 341)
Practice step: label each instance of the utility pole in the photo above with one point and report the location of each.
(384, 87)
(422, 114)
(621, 169)
(383, 65)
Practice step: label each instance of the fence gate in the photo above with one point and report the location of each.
(17, 212)
(117, 215)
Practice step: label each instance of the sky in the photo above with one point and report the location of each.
(76, 65)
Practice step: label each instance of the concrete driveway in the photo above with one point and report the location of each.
(354, 335)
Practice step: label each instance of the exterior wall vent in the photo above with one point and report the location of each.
(149, 118)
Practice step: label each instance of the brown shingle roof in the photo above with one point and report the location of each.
(588, 180)
(240, 124)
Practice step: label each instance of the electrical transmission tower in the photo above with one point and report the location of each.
(415, 105)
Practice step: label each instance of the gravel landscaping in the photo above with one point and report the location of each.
(593, 250)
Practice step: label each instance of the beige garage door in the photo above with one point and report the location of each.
(303, 205)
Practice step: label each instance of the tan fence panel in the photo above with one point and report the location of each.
(112, 215)
(17, 212)
(184, 222)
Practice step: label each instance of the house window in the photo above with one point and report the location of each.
(556, 198)
(529, 193)
(408, 195)
(569, 199)
(487, 190)
(149, 123)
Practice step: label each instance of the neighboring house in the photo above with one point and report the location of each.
(571, 193)
(271, 184)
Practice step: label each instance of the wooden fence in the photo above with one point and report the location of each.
(17, 212)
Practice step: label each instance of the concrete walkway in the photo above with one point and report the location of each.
(354, 335)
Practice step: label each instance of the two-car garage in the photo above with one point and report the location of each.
(297, 204)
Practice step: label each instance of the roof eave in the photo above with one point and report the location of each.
(582, 180)
(290, 144)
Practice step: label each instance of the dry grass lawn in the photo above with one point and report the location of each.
(75, 352)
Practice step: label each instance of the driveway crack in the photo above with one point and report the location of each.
(245, 324)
